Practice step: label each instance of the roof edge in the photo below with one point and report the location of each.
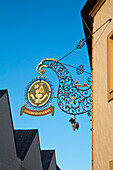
(88, 12)
(2, 92)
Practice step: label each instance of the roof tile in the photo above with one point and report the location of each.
(23, 141)
(46, 156)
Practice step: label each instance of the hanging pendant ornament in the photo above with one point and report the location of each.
(72, 98)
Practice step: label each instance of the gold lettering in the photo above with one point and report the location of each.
(37, 112)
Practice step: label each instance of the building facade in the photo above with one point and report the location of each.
(98, 15)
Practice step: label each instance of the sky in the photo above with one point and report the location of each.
(31, 31)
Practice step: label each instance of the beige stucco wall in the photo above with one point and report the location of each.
(102, 110)
(8, 157)
(32, 161)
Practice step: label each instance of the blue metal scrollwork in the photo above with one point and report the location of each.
(70, 98)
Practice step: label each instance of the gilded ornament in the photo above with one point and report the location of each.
(72, 97)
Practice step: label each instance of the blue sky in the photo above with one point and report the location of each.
(29, 32)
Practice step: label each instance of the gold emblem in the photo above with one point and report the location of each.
(39, 93)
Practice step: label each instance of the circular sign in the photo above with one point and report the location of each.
(39, 93)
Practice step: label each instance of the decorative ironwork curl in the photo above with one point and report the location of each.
(70, 98)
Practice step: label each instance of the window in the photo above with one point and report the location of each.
(110, 65)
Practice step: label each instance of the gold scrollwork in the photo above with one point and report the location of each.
(40, 67)
(79, 85)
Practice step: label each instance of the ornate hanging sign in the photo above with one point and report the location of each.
(38, 95)
(72, 98)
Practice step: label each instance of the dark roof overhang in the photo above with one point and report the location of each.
(46, 156)
(2, 92)
(23, 141)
